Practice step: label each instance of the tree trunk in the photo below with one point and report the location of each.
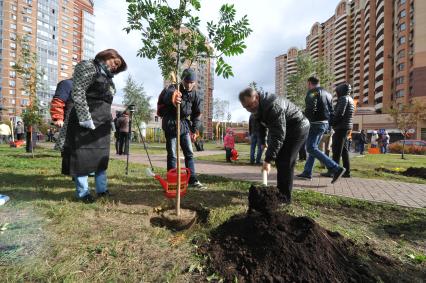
(403, 147)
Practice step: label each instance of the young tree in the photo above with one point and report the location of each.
(135, 94)
(172, 35)
(27, 70)
(306, 67)
(406, 117)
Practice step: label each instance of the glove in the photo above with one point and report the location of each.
(176, 98)
(59, 123)
(88, 124)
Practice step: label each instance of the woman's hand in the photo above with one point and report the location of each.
(266, 167)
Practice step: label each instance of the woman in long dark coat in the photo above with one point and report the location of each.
(88, 125)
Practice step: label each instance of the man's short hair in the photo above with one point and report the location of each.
(246, 93)
(313, 80)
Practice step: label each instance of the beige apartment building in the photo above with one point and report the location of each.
(379, 47)
(61, 32)
(285, 65)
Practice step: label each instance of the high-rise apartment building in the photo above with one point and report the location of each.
(61, 32)
(378, 46)
(285, 65)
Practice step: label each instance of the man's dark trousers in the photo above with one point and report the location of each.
(285, 162)
(340, 148)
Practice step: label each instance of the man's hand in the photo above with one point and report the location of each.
(194, 136)
(176, 98)
(59, 123)
(88, 124)
(266, 166)
(264, 146)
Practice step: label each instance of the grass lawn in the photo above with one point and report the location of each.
(47, 236)
(361, 166)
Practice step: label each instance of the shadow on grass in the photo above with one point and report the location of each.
(412, 230)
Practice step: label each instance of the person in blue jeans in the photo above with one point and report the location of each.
(189, 101)
(319, 111)
(255, 141)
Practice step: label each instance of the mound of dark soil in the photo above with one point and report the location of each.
(415, 172)
(263, 199)
(283, 248)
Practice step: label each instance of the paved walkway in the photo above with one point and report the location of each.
(404, 194)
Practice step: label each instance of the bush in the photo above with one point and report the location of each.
(409, 149)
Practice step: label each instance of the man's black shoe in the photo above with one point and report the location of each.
(104, 194)
(346, 175)
(87, 199)
(338, 174)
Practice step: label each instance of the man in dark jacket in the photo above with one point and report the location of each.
(342, 123)
(124, 135)
(287, 131)
(319, 111)
(254, 140)
(190, 121)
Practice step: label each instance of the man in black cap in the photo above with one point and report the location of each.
(189, 102)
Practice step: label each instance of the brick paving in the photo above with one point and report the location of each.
(400, 193)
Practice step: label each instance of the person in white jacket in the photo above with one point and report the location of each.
(5, 133)
(374, 139)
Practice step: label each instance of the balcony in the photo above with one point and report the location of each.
(379, 84)
(378, 106)
(365, 99)
(380, 29)
(380, 39)
(379, 72)
(380, 61)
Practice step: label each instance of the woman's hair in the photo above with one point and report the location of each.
(112, 54)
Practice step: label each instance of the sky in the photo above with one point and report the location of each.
(277, 25)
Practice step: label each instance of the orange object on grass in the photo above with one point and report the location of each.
(374, 150)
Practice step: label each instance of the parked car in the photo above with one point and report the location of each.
(412, 142)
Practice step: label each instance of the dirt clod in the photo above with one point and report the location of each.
(263, 199)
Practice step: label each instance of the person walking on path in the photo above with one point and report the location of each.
(374, 139)
(87, 142)
(5, 133)
(190, 121)
(229, 143)
(287, 131)
(20, 131)
(342, 123)
(254, 140)
(116, 129)
(362, 142)
(123, 126)
(385, 142)
(319, 111)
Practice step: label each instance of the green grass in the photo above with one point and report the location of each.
(47, 236)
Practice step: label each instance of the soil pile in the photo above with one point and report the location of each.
(415, 172)
(276, 247)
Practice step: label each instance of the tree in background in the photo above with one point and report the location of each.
(135, 94)
(406, 117)
(306, 67)
(172, 35)
(27, 70)
(254, 85)
(220, 113)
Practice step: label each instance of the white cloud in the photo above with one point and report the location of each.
(277, 25)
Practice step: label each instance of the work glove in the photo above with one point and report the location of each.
(176, 98)
(88, 124)
(59, 123)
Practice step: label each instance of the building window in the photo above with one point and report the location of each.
(12, 74)
(11, 91)
(401, 54)
(13, 45)
(27, 20)
(12, 83)
(13, 36)
(13, 8)
(27, 29)
(12, 26)
(400, 93)
(402, 14)
(399, 80)
(402, 27)
(28, 2)
(28, 10)
(401, 67)
(12, 54)
(11, 63)
(12, 101)
(401, 40)
(401, 2)
(13, 16)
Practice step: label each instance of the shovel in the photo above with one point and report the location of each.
(264, 177)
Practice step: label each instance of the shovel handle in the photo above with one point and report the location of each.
(264, 177)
